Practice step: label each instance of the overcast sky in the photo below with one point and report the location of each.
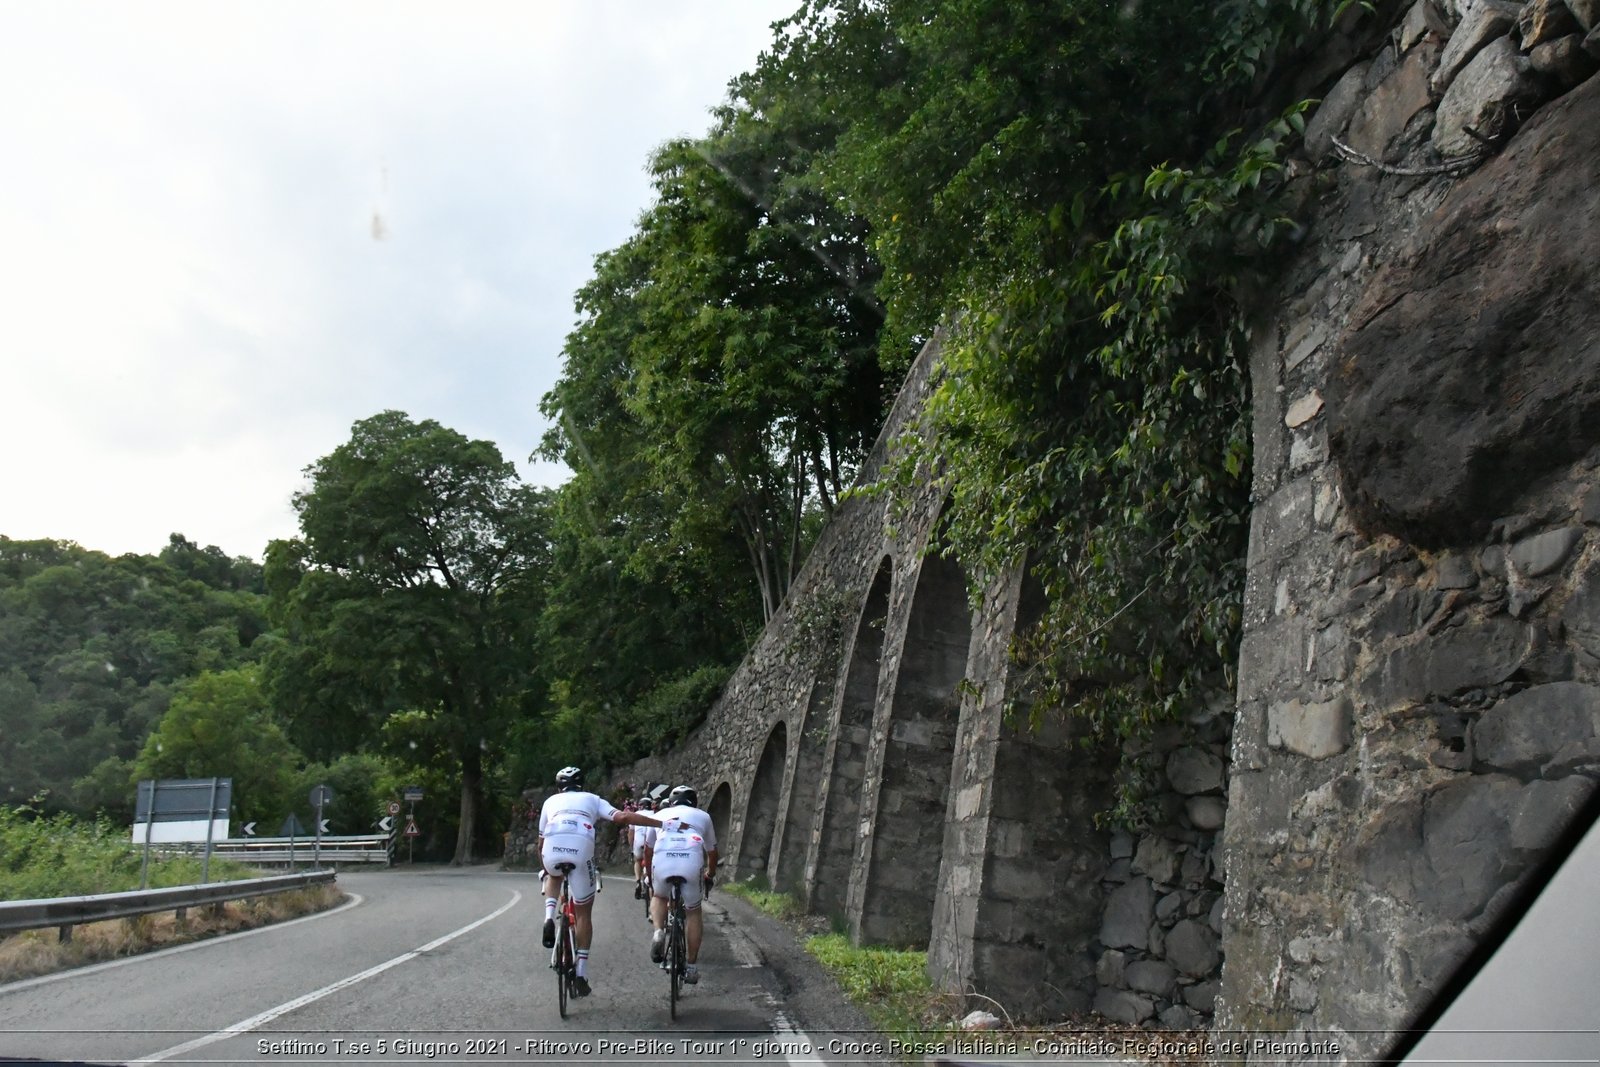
(228, 232)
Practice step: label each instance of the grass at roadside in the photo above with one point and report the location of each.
(778, 905)
(890, 985)
(58, 856)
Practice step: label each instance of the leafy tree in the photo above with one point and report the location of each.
(415, 585)
(719, 391)
(361, 783)
(735, 333)
(219, 725)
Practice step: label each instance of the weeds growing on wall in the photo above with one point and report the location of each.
(1090, 415)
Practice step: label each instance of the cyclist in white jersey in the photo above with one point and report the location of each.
(685, 843)
(566, 835)
(636, 841)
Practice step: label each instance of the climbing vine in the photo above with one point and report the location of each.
(1092, 417)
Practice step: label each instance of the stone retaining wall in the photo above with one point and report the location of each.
(1419, 685)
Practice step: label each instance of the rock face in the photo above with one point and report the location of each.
(1419, 680)
(1470, 366)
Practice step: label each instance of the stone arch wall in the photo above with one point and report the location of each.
(1418, 707)
(720, 806)
(897, 864)
(848, 749)
(788, 874)
(761, 807)
(1419, 657)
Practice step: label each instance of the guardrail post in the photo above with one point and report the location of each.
(64, 935)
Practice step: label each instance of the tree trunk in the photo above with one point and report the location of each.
(471, 782)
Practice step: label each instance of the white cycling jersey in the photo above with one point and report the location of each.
(573, 812)
(699, 819)
(678, 849)
(566, 829)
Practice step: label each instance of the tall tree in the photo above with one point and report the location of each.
(414, 586)
(736, 336)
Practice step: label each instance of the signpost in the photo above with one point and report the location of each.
(292, 829)
(321, 795)
(180, 809)
(412, 793)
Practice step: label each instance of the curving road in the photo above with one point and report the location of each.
(435, 966)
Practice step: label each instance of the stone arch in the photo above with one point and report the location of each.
(810, 748)
(761, 810)
(721, 808)
(908, 828)
(856, 700)
(1044, 876)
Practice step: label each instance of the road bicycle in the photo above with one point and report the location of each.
(675, 958)
(649, 892)
(564, 956)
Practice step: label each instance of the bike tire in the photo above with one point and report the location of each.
(563, 964)
(674, 950)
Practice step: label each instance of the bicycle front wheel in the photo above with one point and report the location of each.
(563, 963)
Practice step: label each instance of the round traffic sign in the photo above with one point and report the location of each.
(321, 796)
(394, 807)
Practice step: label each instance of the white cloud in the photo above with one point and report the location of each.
(197, 306)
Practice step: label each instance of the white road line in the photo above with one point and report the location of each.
(794, 1037)
(95, 968)
(270, 1014)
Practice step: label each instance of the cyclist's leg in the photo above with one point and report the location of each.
(660, 894)
(583, 888)
(556, 850)
(693, 927)
(582, 935)
(552, 890)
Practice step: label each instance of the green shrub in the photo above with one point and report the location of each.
(60, 856)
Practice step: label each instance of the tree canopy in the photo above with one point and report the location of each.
(414, 588)
(91, 650)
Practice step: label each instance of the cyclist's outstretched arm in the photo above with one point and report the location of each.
(635, 818)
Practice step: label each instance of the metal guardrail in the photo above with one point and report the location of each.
(273, 851)
(67, 912)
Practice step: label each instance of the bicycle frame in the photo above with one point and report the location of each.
(674, 960)
(564, 956)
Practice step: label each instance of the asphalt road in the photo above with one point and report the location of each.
(439, 966)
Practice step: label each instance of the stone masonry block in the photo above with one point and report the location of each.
(1317, 730)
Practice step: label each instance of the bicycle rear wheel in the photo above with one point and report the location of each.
(676, 947)
(679, 949)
